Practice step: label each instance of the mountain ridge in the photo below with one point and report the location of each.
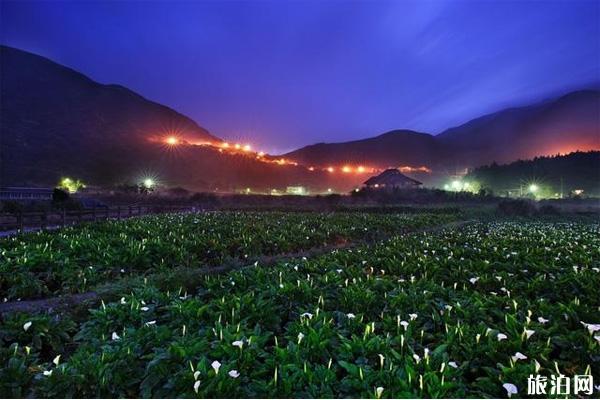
(471, 143)
(55, 121)
(23, 65)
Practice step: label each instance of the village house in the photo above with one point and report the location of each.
(392, 179)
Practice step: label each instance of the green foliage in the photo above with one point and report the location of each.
(28, 343)
(77, 259)
(70, 185)
(420, 315)
(578, 170)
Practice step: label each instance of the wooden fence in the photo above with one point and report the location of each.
(52, 219)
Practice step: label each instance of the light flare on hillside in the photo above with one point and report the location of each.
(173, 141)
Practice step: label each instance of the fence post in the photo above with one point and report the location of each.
(44, 218)
(119, 212)
(20, 221)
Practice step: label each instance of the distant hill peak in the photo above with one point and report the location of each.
(563, 124)
(21, 69)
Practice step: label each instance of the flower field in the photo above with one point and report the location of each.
(468, 312)
(76, 259)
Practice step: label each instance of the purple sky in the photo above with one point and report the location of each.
(285, 74)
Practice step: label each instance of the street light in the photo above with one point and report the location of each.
(148, 183)
(533, 188)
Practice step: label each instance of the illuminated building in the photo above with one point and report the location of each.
(296, 190)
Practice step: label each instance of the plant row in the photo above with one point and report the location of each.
(457, 313)
(77, 259)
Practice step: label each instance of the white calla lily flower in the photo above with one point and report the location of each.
(528, 333)
(216, 365)
(510, 389)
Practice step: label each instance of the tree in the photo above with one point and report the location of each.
(70, 185)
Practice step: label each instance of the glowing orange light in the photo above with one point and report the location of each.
(226, 145)
(261, 154)
(172, 140)
(415, 169)
(346, 169)
(247, 147)
(330, 169)
(281, 161)
(237, 146)
(311, 168)
(360, 169)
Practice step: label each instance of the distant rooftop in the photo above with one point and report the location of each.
(392, 177)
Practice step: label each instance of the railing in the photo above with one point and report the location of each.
(11, 223)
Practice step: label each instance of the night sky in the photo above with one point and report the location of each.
(285, 74)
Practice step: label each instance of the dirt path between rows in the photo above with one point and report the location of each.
(64, 302)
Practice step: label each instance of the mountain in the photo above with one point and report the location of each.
(70, 105)
(55, 122)
(52, 117)
(562, 125)
(400, 147)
